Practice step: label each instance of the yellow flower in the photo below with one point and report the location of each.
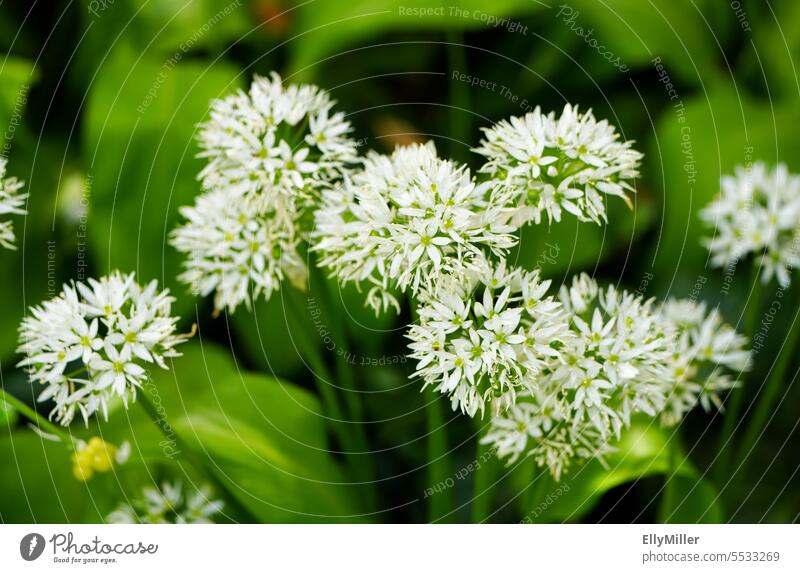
(96, 455)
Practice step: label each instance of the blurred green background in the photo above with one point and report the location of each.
(99, 102)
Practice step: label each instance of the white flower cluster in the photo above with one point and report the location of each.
(237, 251)
(405, 221)
(271, 151)
(11, 202)
(623, 356)
(168, 505)
(611, 366)
(90, 343)
(706, 355)
(486, 336)
(757, 211)
(546, 164)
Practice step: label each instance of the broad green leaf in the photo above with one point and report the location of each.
(328, 27)
(140, 149)
(644, 451)
(38, 485)
(636, 32)
(694, 146)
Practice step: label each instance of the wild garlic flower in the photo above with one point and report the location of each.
(170, 504)
(757, 211)
(94, 341)
(612, 365)
(11, 202)
(274, 142)
(235, 250)
(487, 335)
(546, 164)
(271, 151)
(97, 456)
(706, 361)
(406, 220)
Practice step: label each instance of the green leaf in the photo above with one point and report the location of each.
(644, 451)
(330, 27)
(636, 32)
(38, 485)
(695, 145)
(8, 415)
(140, 126)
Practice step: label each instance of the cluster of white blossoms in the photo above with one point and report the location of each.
(758, 212)
(271, 151)
(546, 164)
(706, 355)
(236, 251)
(406, 220)
(486, 336)
(612, 366)
(11, 203)
(93, 342)
(623, 356)
(170, 504)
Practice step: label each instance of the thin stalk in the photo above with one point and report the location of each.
(441, 502)
(344, 372)
(459, 131)
(195, 460)
(732, 414)
(484, 479)
(355, 448)
(771, 389)
(532, 496)
(669, 496)
(32, 415)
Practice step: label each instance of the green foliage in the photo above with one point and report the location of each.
(140, 151)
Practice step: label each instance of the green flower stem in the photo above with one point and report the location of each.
(196, 461)
(732, 414)
(766, 401)
(460, 114)
(344, 370)
(42, 423)
(669, 497)
(533, 496)
(440, 502)
(355, 450)
(485, 478)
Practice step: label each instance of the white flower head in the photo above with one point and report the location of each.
(11, 203)
(170, 504)
(757, 211)
(706, 361)
(546, 164)
(94, 340)
(235, 250)
(611, 365)
(275, 142)
(406, 220)
(486, 335)
(271, 151)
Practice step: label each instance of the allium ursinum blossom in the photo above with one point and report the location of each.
(94, 341)
(271, 151)
(757, 211)
(281, 144)
(706, 360)
(170, 504)
(546, 164)
(487, 335)
(235, 250)
(613, 365)
(404, 221)
(97, 456)
(11, 203)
